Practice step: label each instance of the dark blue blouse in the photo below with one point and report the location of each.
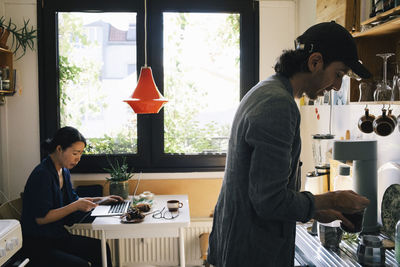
(42, 193)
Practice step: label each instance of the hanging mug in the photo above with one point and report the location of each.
(383, 125)
(365, 122)
(393, 117)
(398, 121)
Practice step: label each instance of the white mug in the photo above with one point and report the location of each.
(174, 205)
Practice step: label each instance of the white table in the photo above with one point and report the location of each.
(112, 228)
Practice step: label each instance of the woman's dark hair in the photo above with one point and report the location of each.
(64, 137)
(291, 62)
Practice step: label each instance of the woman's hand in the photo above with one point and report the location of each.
(108, 200)
(83, 204)
(53, 215)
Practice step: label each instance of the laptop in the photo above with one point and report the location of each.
(116, 209)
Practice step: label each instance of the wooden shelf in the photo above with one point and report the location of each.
(2, 50)
(6, 59)
(381, 16)
(392, 103)
(7, 92)
(387, 27)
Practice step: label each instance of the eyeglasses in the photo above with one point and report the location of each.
(164, 214)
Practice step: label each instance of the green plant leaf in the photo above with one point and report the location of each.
(21, 38)
(119, 171)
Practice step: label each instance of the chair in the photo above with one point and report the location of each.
(89, 190)
(204, 247)
(11, 209)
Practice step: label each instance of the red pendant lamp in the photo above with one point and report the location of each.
(146, 98)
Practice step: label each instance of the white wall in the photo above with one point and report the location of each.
(277, 32)
(19, 117)
(280, 23)
(345, 118)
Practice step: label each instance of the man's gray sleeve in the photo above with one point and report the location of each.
(270, 133)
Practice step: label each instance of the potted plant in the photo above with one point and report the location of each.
(119, 178)
(22, 38)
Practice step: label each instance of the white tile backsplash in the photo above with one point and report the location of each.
(345, 118)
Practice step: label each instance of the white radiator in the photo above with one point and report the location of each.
(155, 251)
(85, 231)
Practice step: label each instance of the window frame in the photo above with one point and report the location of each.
(150, 156)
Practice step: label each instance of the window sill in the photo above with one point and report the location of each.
(151, 176)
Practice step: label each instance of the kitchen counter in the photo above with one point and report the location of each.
(310, 252)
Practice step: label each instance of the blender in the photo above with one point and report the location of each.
(322, 153)
(318, 181)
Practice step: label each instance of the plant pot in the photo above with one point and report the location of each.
(3, 37)
(120, 189)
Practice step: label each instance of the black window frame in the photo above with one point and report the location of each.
(150, 156)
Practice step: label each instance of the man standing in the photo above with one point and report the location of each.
(259, 203)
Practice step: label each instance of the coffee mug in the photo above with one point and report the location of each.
(174, 205)
(398, 121)
(393, 117)
(383, 125)
(365, 122)
(356, 219)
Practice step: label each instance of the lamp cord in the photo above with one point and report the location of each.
(330, 111)
(145, 33)
(137, 184)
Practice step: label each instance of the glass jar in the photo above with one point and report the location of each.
(322, 149)
(5, 85)
(397, 241)
(343, 181)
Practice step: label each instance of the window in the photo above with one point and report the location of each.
(94, 79)
(204, 57)
(201, 77)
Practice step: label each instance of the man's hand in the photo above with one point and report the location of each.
(348, 201)
(327, 216)
(345, 201)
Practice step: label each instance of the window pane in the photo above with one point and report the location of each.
(201, 80)
(97, 61)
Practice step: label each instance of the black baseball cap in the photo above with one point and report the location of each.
(335, 43)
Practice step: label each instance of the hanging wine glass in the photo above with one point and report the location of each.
(366, 91)
(383, 91)
(396, 82)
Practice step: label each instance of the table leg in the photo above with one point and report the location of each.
(103, 248)
(182, 247)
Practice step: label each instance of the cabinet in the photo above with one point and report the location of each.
(6, 60)
(343, 12)
(382, 35)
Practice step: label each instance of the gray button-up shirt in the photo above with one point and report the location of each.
(259, 203)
